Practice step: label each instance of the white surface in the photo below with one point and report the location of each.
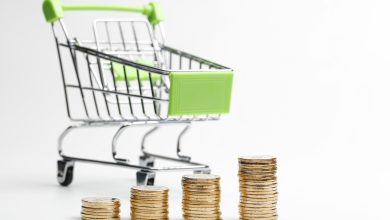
(311, 86)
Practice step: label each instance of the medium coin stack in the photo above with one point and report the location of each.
(149, 202)
(201, 196)
(100, 208)
(258, 187)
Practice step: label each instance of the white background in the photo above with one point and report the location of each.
(311, 87)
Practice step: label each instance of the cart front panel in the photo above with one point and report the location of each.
(200, 92)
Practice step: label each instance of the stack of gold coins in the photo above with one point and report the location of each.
(258, 187)
(201, 196)
(100, 208)
(149, 202)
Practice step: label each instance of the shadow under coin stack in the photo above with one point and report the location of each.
(100, 208)
(258, 187)
(149, 202)
(201, 196)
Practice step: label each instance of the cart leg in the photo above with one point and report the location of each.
(146, 161)
(115, 143)
(204, 171)
(145, 178)
(178, 146)
(65, 172)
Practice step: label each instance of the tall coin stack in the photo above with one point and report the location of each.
(100, 208)
(149, 202)
(201, 197)
(258, 187)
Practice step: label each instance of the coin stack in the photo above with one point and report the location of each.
(258, 187)
(149, 202)
(100, 208)
(201, 197)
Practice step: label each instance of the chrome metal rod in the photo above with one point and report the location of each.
(128, 165)
(178, 149)
(115, 143)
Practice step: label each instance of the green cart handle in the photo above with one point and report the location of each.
(54, 10)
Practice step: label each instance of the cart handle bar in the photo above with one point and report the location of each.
(54, 10)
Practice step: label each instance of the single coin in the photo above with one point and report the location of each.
(253, 215)
(94, 218)
(101, 200)
(257, 158)
(108, 215)
(200, 205)
(84, 216)
(150, 188)
(255, 200)
(104, 209)
(200, 177)
(260, 166)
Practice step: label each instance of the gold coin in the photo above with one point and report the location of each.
(194, 208)
(259, 158)
(149, 211)
(100, 213)
(201, 177)
(100, 210)
(256, 173)
(150, 188)
(150, 206)
(149, 198)
(103, 209)
(260, 215)
(202, 215)
(261, 166)
(98, 217)
(249, 203)
(244, 181)
(201, 186)
(259, 199)
(257, 177)
(101, 200)
(257, 215)
(258, 189)
(148, 215)
(198, 205)
(94, 218)
(155, 208)
(109, 215)
(143, 218)
(209, 194)
(258, 210)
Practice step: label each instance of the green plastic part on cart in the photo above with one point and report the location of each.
(131, 72)
(198, 93)
(54, 10)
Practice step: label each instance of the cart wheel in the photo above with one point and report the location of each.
(145, 178)
(207, 171)
(146, 161)
(65, 172)
(150, 181)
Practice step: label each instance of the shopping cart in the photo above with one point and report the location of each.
(127, 77)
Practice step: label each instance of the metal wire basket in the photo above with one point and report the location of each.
(127, 76)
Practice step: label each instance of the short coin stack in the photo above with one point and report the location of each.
(100, 208)
(258, 187)
(201, 197)
(149, 202)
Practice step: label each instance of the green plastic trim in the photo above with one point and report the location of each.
(200, 92)
(54, 10)
(131, 72)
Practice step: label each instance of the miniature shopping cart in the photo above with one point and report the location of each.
(127, 77)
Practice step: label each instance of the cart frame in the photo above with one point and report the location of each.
(146, 170)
